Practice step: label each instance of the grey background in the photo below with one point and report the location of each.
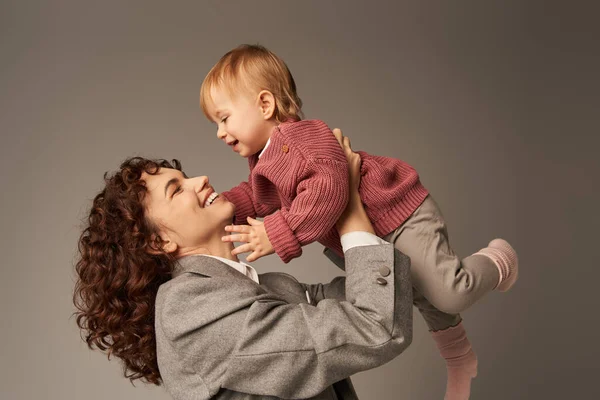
(494, 103)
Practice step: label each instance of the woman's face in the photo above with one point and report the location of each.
(186, 210)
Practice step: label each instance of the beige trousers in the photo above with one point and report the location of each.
(444, 285)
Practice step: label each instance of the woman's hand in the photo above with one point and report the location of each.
(354, 217)
(353, 161)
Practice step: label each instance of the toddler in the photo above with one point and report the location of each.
(299, 183)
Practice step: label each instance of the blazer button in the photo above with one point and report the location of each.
(285, 148)
(381, 281)
(384, 271)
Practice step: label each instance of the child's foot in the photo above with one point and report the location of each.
(461, 361)
(506, 260)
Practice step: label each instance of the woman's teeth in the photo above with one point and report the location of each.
(210, 199)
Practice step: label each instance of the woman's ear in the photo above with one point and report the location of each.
(266, 102)
(161, 245)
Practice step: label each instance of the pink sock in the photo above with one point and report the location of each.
(506, 260)
(461, 361)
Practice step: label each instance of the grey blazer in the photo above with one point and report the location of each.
(221, 335)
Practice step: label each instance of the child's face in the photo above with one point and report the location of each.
(242, 122)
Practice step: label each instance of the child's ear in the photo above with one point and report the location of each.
(160, 245)
(266, 102)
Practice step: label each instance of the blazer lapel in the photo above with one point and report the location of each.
(278, 285)
(210, 267)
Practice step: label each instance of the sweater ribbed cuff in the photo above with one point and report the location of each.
(282, 237)
(243, 207)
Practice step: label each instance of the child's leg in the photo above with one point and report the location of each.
(449, 283)
(461, 361)
(451, 339)
(440, 277)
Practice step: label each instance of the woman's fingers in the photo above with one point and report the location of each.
(338, 135)
(353, 158)
(236, 238)
(347, 143)
(344, 141)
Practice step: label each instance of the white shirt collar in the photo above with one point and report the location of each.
(240, 266)
(263, 150)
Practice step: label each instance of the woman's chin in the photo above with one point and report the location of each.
(222, 201)
(222, 206)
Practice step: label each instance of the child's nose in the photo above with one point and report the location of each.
(221, 133)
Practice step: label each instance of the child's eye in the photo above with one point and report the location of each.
(224, 120)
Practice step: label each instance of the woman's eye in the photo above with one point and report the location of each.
(177, 190)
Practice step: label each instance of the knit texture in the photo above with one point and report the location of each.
(461, 361)
(300, 186)
(506, 260)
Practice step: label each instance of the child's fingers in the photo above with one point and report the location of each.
(238, 228)
(253, 221)
(253, 256)
(245, 248)
(236, 238)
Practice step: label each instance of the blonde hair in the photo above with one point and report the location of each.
(252, 68)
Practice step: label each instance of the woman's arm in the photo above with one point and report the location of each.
(297, 351)
(236, 336)
(354, 218)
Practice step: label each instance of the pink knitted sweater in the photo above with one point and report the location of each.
(300, 186)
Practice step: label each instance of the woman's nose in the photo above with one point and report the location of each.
(200, 182)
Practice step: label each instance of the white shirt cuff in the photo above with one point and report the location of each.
(359, 238)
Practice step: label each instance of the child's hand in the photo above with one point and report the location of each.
(254, 236)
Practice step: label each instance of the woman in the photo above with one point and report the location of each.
(160, 289)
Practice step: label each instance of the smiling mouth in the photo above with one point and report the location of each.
(211, 199)
(233, 143)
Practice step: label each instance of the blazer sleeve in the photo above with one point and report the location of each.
(298, 350)
(321, 197)
(336, 289)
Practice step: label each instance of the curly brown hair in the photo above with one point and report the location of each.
(120, 269)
